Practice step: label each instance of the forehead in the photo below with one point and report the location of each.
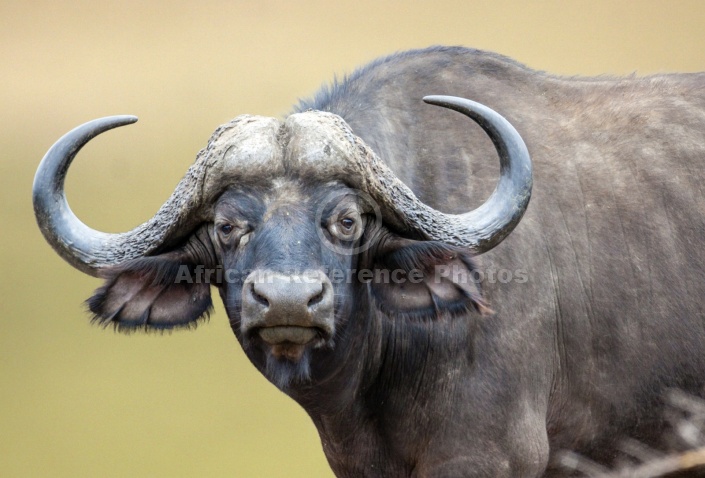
(252, 150)
(262, 164)
(267, 196)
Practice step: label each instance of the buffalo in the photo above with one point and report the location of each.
(428, 331)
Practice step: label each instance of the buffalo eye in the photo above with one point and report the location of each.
(226, 232)
(347, 223)
(345, 227)
(231, 231)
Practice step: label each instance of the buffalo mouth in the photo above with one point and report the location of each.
(290, 341)
(292, 334)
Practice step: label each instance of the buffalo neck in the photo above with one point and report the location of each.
(390, 378)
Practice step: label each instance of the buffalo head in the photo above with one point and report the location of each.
(302, 229)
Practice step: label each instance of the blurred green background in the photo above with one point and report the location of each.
(76, 400)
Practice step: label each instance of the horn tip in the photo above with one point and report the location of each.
(434, 99)
(125, 119)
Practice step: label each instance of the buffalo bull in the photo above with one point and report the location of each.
(362, 276)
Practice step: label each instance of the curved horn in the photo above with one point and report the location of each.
(486, 226)
(87, 249)
(480, 229)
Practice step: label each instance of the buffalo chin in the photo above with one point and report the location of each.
(288, 364)
(287, 353)
(287, 349)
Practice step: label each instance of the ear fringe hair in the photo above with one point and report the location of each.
(424, 256)
(441, 309)
(130, 327)
(97, 302)
(161, 270)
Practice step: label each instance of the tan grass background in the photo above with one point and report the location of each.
(76, 400)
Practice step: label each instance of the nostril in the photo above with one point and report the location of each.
(258, 297)
(316, 298)
(320, 296)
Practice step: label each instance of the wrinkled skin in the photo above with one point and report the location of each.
(266, 227)
(467, 379)
(253, 231)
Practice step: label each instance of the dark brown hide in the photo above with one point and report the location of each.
(565, 336)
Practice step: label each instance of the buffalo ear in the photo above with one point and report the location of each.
(155, 293)
(425, 280)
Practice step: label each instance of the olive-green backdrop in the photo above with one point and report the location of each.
(76, 400)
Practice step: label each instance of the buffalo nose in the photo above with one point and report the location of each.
(272, 299)
(287, 292)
